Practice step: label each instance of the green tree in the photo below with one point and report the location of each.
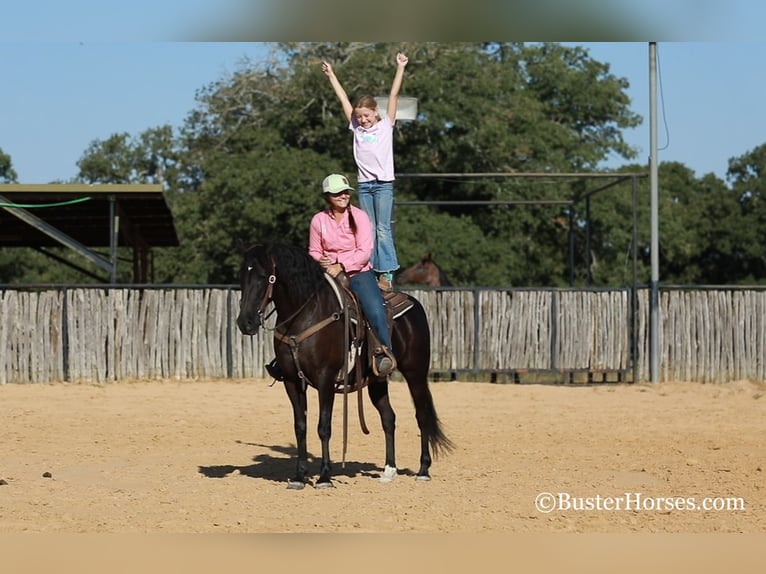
(151, 157)
(483, 108)
(7, 173)
(747, 174)
(10, 265)
(247, 164)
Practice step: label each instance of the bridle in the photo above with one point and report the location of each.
(293, 341)
(267, 298)
(267, 293)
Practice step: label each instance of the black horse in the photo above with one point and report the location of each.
(310, 338)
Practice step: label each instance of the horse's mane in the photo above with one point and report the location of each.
(296, 266)
(443, 279)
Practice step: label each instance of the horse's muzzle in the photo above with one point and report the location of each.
(248, 325)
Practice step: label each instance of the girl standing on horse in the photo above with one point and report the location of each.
(374, 158)
(341, 240)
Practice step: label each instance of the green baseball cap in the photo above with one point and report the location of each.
(335, 183)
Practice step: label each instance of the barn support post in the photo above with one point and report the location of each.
(114, 230)
(571, 246)
(476, 331)
(229, 327)
(588, 258)
(65, 334)
(554, 330)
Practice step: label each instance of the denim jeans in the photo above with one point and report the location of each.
(376, 198)
(365, 287)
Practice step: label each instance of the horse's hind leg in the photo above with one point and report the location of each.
(432, 436)
(411, 341)
(421, 398)
(431, 433)
(378, 391)
(298, 402)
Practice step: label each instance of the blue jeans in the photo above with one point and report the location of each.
(365, 287)
(376, 198)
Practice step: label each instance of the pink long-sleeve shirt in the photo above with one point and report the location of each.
(336, 239)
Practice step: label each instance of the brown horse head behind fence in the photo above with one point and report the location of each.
(424, 272)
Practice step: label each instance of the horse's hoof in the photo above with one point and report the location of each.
(323, 485)
(389, 474)
(295, 485)
(423, 477)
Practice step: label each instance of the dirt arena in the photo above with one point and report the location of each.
(213, 457)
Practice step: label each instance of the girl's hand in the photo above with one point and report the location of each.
(401, 59)
(327, 68)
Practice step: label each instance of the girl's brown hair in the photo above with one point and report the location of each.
(367, 102)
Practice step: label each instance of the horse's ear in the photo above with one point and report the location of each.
(427, 257)
(241, 246)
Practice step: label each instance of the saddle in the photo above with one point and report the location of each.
(360, 332)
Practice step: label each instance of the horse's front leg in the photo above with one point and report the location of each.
(298, 401)
(324, 430)
(378, 391)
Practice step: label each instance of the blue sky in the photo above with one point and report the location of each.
(57, 98)
(709, 98)
(67, 80)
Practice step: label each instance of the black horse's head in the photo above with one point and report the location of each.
(255, 278)
(275, 272)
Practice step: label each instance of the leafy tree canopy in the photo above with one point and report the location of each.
(247, 165)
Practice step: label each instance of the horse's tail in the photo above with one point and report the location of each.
(413, 335)
(432, 428)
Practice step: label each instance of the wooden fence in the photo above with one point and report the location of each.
(101, 334)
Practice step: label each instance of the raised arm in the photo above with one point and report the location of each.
(393, 96)
(339, 91)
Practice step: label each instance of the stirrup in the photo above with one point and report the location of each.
(383, 363)
(384, 366)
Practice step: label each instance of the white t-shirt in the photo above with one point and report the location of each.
(374, 150)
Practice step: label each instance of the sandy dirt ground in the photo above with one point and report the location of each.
(214, 456)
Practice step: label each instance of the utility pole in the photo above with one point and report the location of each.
(654, 317)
